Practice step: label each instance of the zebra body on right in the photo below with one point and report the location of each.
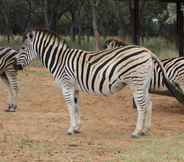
(174, 68)
(99, 73)
(175, 72)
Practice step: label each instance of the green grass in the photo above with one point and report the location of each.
(152, 149)
(161, 47)
(15, 42)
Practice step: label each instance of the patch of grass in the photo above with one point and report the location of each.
(16, 42)
(161, 47)
(168, 149)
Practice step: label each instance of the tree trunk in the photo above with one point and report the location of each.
(95, 25)
(5, 13)
(28, 23)
(45, 11)
(141, 15)
(53, 23)
(180, 29)
(135, 22)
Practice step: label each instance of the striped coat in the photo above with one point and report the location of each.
(8, 73)
(98, 73)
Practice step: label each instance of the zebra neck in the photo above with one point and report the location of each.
(53, 55)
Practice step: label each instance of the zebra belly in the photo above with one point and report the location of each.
(160, 90)
(107, 89)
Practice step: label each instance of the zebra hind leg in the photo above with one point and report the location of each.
(147, 125)
(12, 84)
(6, 83)
(141, 100)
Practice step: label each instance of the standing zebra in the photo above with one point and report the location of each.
(8, 73)
(98, 73)
(174, 68)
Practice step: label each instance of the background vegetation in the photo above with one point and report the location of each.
(80, 20)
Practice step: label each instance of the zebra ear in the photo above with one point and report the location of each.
(30, 35)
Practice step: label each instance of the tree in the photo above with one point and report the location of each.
(94, 4)
(5, 12)
(54, 10)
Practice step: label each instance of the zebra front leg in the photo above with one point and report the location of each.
(69, 99)
(77, 112)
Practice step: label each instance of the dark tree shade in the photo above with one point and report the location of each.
(180, 29)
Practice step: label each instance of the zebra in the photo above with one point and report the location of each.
(8, 73)
(174, 68)
(114, 43)
(97, 73)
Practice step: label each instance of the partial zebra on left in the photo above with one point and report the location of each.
(98, 72)
(8, 74)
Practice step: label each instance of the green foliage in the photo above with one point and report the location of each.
(63, 16)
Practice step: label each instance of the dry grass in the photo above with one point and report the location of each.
(37, 131)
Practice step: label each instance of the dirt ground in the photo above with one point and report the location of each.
(37, 131)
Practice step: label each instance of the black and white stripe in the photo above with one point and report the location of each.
(174, 68)
(8, 74)
(175, 71)
(99, 73)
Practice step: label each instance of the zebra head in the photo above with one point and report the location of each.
(24, 57)
(26, 53)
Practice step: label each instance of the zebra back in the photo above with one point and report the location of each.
(7, 58)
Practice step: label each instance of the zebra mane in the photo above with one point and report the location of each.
(49, 32)
(117, 40)
(45, 30)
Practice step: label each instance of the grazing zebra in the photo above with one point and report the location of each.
(174, 68)
(8, 73)
(99, 73)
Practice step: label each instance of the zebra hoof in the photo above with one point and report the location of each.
(146, 133)
(70, 132)
(76, 131)
(10, 109)
(137, 135)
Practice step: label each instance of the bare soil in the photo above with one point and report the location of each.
(37, 131)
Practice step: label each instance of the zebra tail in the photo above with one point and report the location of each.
(172, 86)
